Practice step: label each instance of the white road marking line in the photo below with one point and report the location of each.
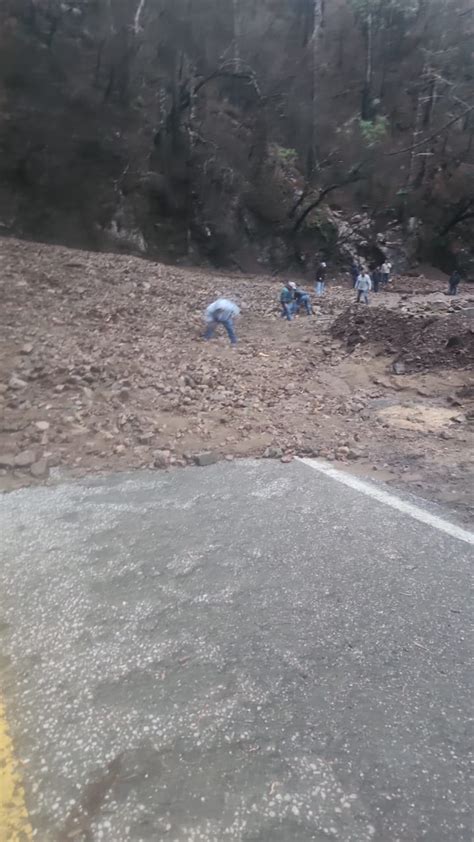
(390, 500)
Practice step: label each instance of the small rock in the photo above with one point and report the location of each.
(10, 426)
(399, 368)
(7, 460)
(25, 459)
(39, 469)
(16, 383)
(145, 438)
(354, 454)
(286, 459)
(204, 459)
(342, 452)
(161, 458)
(229, 458)
(42, 425)
(273, 453)
(27, 349)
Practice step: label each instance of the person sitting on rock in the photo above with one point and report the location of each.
(363, 286)
(286, 300)
(221, 312)
(454, 282)
(302, 299)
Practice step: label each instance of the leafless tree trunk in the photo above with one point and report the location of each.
(417, 131)
(366, 106)
(236, 26)
(313, 46)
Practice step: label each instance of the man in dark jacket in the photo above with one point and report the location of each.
(321, 278)
(376, 275)
(454, 283)
(355, 272)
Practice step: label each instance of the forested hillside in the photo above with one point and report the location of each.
(240, 131)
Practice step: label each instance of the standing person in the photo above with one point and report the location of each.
(363, 286)
(376, 278)
(321, 278)
(454, 282)
(385, 269)
(355, 272)
(301, 298)
(221, 312)
(286, 300)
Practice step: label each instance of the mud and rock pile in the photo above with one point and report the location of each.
(422, 339)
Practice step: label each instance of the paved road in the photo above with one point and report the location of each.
(249, 652)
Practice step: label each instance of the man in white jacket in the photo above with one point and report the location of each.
(363, 286)
(386, 270)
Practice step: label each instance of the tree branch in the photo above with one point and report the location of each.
(354, 175)
(431, 136)
(226, 70)
(298, 202)
(463, 212)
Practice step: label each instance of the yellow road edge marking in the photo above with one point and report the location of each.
(14, 821)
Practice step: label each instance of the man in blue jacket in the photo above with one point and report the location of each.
(286, 300)
(221, 312)
(302, 299)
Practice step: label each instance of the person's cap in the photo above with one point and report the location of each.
(292, 285)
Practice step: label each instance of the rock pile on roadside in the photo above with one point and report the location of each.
(429, 337)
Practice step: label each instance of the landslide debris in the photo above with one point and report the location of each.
(103, 368)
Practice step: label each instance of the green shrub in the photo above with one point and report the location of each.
(287, 156)
(374, 132)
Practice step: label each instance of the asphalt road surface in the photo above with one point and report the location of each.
(251, 651)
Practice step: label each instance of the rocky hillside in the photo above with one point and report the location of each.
(239, 131)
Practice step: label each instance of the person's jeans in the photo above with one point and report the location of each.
(306, 302)
(287, 311)
(376, 282)
(453, 289)
(361, 293)
(227, 323)
(320, 287)
(385, 279)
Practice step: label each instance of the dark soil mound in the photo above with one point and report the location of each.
(421, 340)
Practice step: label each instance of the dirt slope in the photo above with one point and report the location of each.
(102, 367)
